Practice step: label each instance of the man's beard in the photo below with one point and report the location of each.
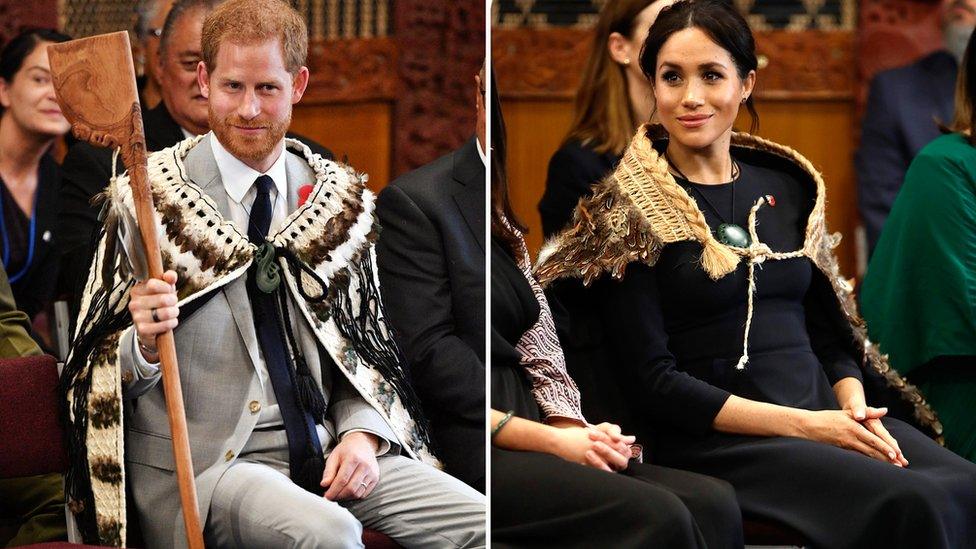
(244, 148)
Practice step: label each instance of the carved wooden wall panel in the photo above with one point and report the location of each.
(442, 48)
(348, 71)
(547, 63)
(17, 15)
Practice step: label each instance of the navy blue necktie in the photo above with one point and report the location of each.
(303, 441)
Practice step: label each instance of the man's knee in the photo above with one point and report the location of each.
(335, 528)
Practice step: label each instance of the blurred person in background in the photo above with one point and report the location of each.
(918, 295)
(431, 259)
(613, 99)
(902, 115)
(149, 30)
(30, 123)
(557, 480)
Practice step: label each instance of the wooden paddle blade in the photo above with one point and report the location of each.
(95, 84)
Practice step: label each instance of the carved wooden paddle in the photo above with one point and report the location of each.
(95, 85)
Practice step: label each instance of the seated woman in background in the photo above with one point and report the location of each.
(553, 475)
(31, 508)
(919, 295)
(30, 122)
(613, 99)
(751, 375)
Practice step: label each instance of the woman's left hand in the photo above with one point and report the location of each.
(872, 422)
(850, 395)
(870, 417)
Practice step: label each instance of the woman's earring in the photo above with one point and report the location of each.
(627, 61)
(744, 99)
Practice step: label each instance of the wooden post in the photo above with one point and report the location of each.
(94, 80)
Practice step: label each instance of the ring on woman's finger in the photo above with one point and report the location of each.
(154, 317)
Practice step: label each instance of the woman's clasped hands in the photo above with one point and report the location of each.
(601, 446)
(856, 427)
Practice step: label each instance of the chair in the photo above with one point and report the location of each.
(31, 435)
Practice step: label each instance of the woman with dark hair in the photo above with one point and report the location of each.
(558, 481)
(918, 295)
(727, 305)
(30, 122)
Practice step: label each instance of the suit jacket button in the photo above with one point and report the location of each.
(229, 455)
(255, 406)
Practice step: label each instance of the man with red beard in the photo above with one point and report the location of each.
(181, 113)
(302, 424)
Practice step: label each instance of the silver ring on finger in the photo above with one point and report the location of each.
(364, 484)
(154, 316)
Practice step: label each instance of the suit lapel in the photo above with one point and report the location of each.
(201, 169)
(469, 197)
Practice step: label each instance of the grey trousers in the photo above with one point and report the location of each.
(255, 504)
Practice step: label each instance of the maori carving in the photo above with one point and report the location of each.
(94, 82)
(442, 48)
(795, 65)
(805, 65)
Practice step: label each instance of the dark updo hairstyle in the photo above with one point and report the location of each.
(720, 21)
(14, 52)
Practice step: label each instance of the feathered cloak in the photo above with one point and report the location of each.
(327, 258)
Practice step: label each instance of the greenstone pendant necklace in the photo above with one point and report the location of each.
(728, 233)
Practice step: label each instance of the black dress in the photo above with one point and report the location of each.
(541, 500)
(681, 334)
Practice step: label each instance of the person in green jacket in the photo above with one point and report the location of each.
(919, 294)
(31, 508)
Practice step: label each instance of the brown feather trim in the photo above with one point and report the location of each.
(104, 411)
(608, 234)
(106, 470)
(109, 531)
(337, 227)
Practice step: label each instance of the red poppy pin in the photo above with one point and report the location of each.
(303, 193)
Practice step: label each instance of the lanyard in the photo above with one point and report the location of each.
(30, 243)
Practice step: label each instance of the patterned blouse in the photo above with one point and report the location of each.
(542, 355)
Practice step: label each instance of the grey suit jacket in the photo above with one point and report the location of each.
(218, 355)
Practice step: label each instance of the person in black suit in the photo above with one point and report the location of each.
(30, 122)
(182, 113)
(431, 255)
(904, 109)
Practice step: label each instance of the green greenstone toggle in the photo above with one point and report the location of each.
(267, 275)
(733, 235)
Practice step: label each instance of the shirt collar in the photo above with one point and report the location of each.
(481, 152)
(238, 177)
